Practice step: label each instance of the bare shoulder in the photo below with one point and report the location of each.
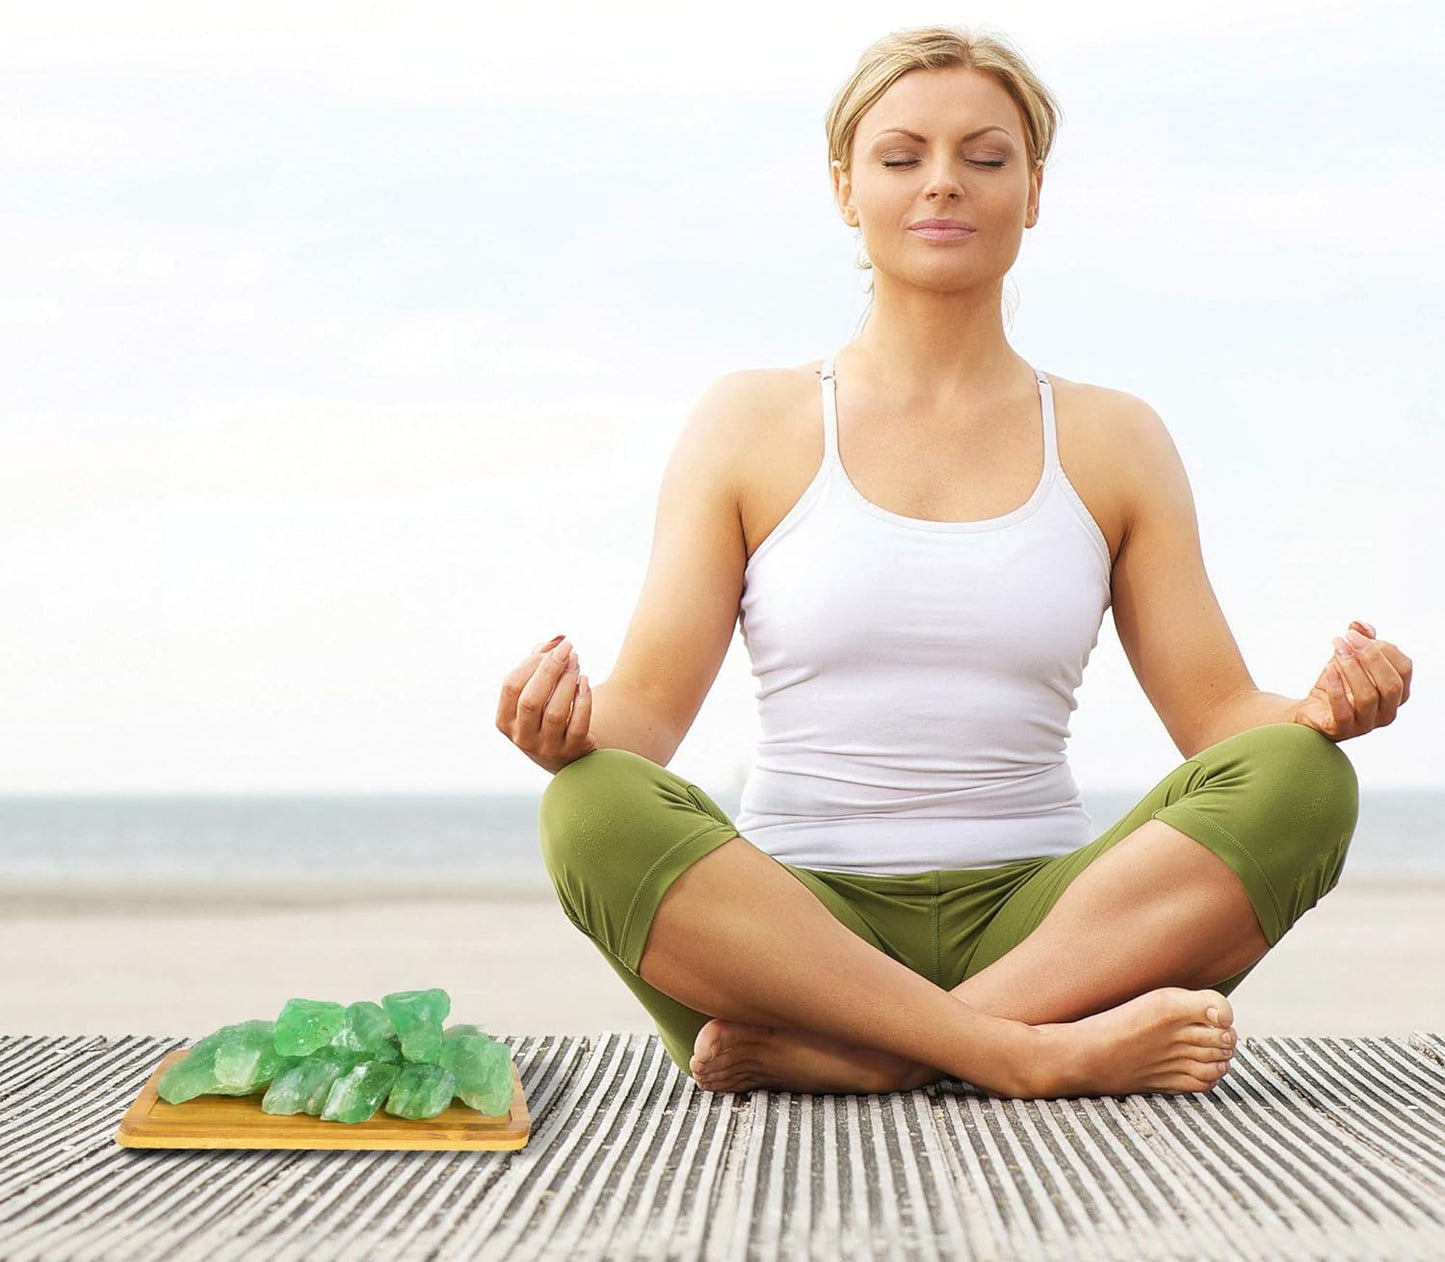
(1133, 428)
(1114, 411)
(736, 409)
(1126, 435)
(779, 445)
(753, 415)
(771, 391)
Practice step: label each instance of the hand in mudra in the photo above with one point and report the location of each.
(1359, 691)
(546, 706)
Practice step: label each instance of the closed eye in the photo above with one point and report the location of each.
(913, 162)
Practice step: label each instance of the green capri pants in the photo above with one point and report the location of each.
(1277, 803)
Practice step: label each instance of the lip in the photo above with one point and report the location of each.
(952, 232)
(956, 225)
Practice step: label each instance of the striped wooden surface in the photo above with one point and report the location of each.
(1318, 1147)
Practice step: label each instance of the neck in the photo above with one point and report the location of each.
(922, 346)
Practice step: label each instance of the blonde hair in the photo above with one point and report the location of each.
(938, 48)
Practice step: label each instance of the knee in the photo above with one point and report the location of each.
(585, 801)
(1316, 774)
(583, 778)
(1320, 765)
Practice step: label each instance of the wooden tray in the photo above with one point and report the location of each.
(220, 1121)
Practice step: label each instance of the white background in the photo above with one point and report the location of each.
(343, 346)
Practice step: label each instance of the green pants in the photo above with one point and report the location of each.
(1277, 803)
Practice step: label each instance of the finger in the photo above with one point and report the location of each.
(559, 710)
(1362, 685)
(1401, 664)
(1377, 660)
(515, 680)
(537, 692)
(514, 683)
(1388, 684)
(581, 710)
(1342, 713)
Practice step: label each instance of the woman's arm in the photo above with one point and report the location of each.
(624, 719)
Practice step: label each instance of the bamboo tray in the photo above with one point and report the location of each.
(220, 1121)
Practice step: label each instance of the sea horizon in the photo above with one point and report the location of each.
(245, 847)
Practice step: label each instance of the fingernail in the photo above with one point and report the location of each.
(1357, 638)
(561, 651)
(1342, 649)
(545, 645)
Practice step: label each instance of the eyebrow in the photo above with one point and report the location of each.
(913, 135)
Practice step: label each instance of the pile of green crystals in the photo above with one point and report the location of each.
(342, 1062)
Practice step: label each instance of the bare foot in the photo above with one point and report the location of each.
(733, 1056)
(1162, 1041)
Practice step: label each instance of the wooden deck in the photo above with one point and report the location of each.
(1310, 1148)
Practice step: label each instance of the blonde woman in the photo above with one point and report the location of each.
(918, 536)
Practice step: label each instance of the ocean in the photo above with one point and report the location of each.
(481, 840)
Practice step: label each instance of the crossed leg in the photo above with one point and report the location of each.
(1156, 910)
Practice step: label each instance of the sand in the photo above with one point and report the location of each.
(1366, 961)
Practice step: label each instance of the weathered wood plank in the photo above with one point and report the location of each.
(1311, 1146)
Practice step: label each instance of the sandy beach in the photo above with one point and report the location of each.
(1365, 961)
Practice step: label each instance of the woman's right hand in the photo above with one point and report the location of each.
(536, 712)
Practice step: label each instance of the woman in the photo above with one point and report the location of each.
(921, 535)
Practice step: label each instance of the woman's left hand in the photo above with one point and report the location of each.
(1360, 690)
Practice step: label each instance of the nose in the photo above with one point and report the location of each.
(943, 182)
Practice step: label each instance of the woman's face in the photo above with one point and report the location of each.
(947, 172)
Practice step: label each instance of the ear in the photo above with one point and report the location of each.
(843, 192)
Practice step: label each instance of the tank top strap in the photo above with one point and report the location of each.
(1051, 436)
(828, 384)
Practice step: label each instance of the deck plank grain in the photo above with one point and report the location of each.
(1309, 1148)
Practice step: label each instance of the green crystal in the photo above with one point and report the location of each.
(367, 1031)
(421, 1091)
(234, 1060)
(341, 1062)
(483, 1070)
(456, 1031)
(304, 1086)
(306, 1024)
(417, 1016)
(360, 1092)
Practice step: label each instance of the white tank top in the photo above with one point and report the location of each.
(915, 678)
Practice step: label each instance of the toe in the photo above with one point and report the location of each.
(708, 1040)
(734, 1081)
(1223, 1011)
(1211, 1036)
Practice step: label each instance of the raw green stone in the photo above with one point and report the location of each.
(342, 1062)
(234, 1060)
(367, 1031)
(304, 1086)
(306, 1024)
(483, 1070)
(359, 1093)
(421, 1091)
(417, 1016)
(192, 1075)
(456, 1031)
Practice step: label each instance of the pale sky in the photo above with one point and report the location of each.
(343, 347)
